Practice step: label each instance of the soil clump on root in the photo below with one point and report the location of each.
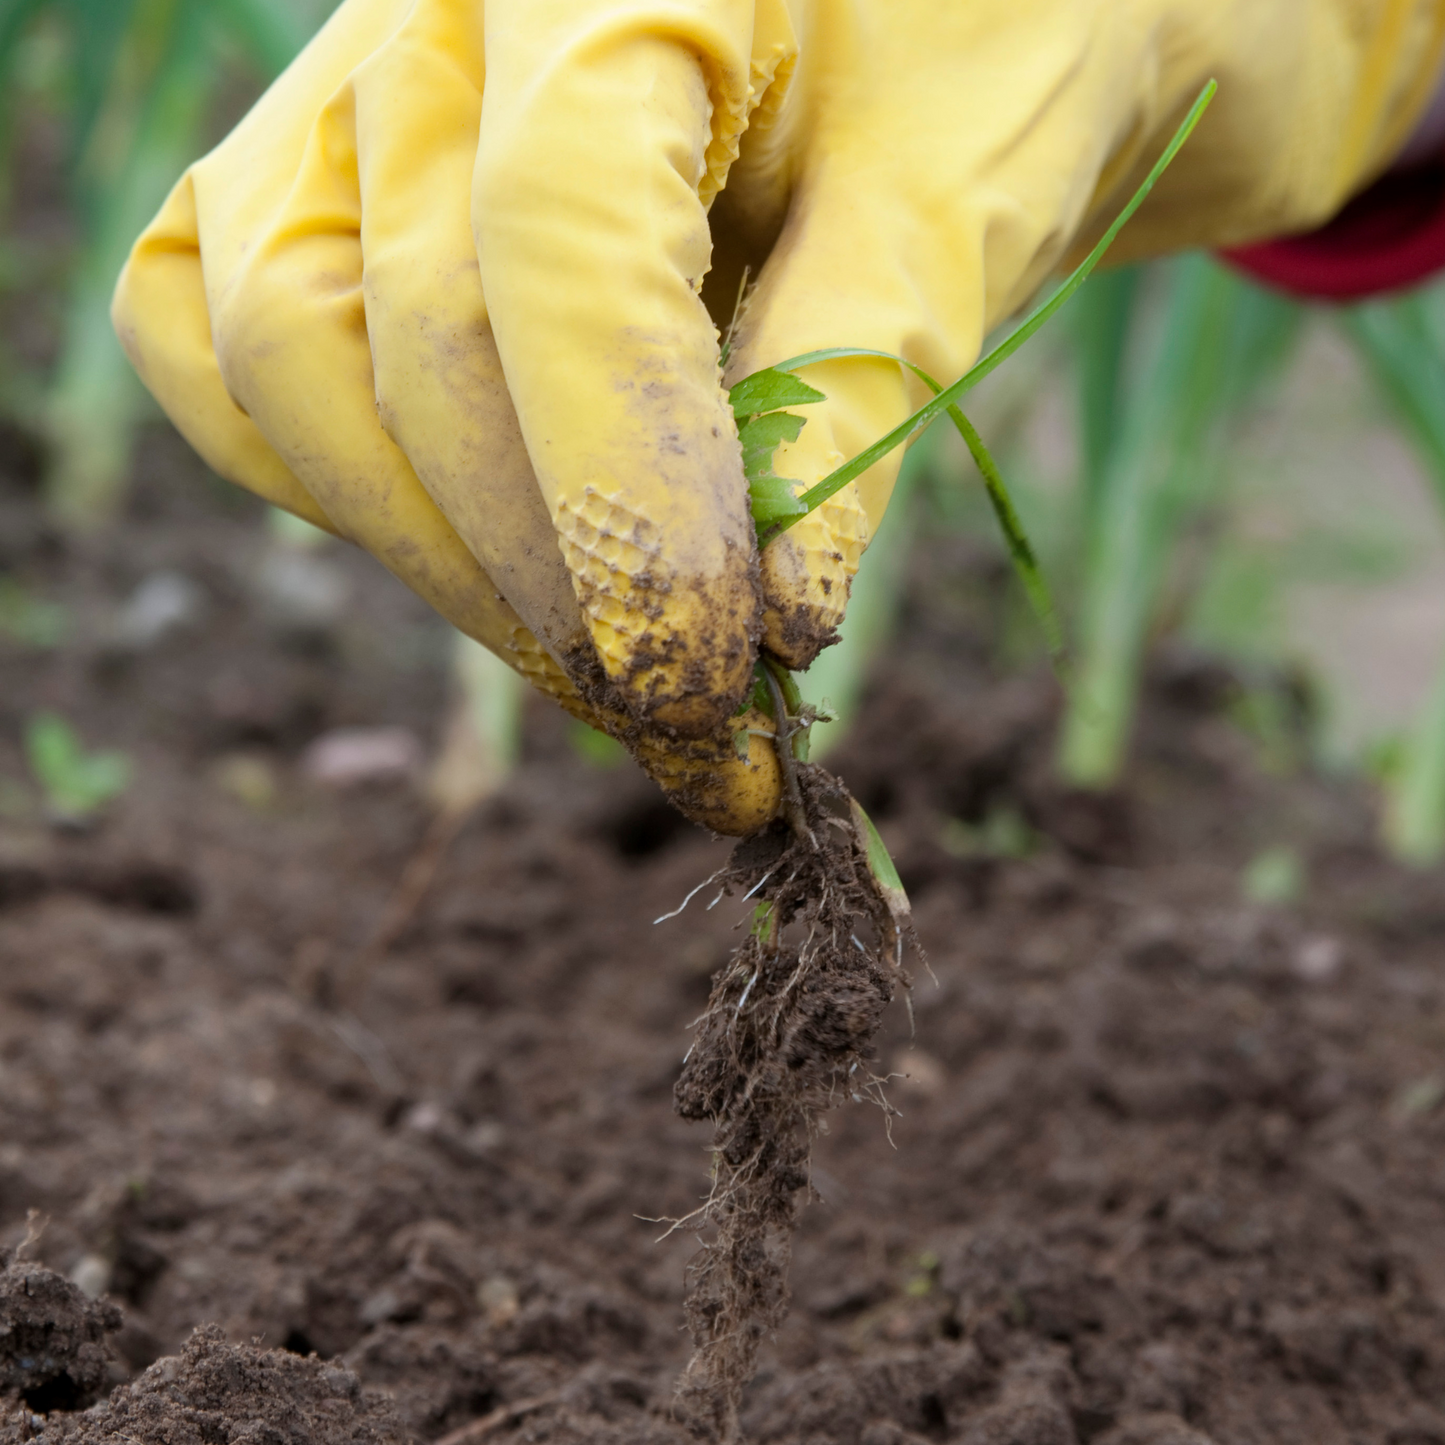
(786, 1036)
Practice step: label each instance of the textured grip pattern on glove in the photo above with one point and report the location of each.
(612, 554)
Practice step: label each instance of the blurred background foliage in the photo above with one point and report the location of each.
(1199, 462)
(1210, 464)
(135, 89)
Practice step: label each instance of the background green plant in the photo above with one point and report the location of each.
(1170, 363)
(76, 783)
(136, 87)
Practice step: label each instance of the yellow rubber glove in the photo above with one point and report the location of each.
(443, 289)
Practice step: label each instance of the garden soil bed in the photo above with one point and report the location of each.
(1169, 1166)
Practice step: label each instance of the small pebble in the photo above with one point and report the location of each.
(299, 589)
(383, 1305)
(424, 1118)
(346, 757)
(164, 602)
(1318, 959)
(499, 1299)
(91, 1276)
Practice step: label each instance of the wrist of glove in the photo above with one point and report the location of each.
(445, 291)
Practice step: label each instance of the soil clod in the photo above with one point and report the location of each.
(215, 1393)
(53, 1352)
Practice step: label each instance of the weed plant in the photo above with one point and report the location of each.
(789, 1027)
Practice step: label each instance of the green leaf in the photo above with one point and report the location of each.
(15, 15)
(773, 500)
(594, 747)
(95, 399)
(1392, 340)
(1102, 322)
(950, 395)
(1395, 339)
(1021, 552)
(1160, 469)
(882, 867)
(761, 435)
(1415, 791)
(765, 923)
(758, 696)
(75, 782)
(102, 31)
(769, 389)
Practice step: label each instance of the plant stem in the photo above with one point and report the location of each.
(1415, 797)
(785, 726)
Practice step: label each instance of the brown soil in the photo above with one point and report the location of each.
(1167, 1169)
(215, 1391)
(53, 1354)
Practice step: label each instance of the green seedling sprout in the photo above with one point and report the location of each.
(76, 784)
(759, 1196)
(758, 399)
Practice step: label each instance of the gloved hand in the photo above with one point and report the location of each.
(446, 289)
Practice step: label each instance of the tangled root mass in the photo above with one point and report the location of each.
(786, 1036)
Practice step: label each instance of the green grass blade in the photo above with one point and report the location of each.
(884, 871)
(1266, 333)
(270, 30)
(1020, 549)
(1045, 312)
(1101, 332)
(1415, 796)
(105, 34)
(95, 398)
(949, 396)
(1392, 340)
(1021, 552)
(1396, 341)
(1156, 474)
(15, 15)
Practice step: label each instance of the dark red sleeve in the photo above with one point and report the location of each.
(1389, 237)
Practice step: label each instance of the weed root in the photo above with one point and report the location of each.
(786, 1036)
